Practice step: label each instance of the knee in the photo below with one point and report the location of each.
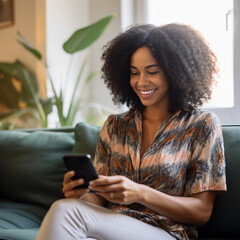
(66, 208)
(62, 205)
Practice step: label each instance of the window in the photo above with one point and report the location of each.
(218, 21)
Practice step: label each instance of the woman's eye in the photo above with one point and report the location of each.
(134, 73)
(152, 73)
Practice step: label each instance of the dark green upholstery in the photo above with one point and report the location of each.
(225, 220)
(86, 137)
(34, 165)
(31, 172)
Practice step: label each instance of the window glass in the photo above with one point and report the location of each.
(214, 19)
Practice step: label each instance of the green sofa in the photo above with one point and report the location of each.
(31, 173)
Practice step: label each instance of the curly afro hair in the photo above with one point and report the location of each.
(184, 56)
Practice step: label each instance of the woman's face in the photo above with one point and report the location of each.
(148, 80)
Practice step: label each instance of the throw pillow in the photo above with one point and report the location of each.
(31, 165)
(86, 138)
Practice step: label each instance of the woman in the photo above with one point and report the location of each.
(161, 164)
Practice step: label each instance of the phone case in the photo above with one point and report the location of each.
(83, 167)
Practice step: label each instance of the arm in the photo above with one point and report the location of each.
(195, 209)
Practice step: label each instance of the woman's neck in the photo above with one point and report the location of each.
(155, 115)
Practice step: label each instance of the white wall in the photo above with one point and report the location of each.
(63, 18)
(98, 9)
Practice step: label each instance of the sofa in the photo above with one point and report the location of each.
(32, 169)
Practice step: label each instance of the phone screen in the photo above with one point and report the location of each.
(83, 167)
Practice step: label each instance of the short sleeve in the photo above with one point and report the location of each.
(206, 171)
(103, 149)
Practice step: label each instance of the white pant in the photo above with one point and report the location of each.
(70, 219)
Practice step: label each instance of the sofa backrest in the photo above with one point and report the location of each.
(31, 171)
(224, 221)
(31, 164)
(31, 167)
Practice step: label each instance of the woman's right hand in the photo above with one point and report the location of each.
(69, 185)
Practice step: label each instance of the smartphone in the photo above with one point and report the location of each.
(83, 167)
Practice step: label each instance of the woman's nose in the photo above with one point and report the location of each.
(142, 80)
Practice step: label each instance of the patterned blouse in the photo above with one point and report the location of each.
(186, 157)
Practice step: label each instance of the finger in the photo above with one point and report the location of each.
(68, 176)
(72, 184)
(106, 180)
(109, 184)
(105, 195)
(116, 187)
(76, 193)
(116, 197)
(111, 196)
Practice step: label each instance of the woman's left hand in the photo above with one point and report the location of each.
(117, 189)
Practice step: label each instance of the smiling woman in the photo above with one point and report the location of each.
(161, 163)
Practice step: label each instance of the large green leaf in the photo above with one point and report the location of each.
(84, 37)
(27, 45)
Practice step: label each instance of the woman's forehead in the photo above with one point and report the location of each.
(143, 56)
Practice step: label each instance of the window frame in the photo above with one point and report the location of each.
(226, 115)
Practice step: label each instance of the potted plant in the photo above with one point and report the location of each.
(80, 40)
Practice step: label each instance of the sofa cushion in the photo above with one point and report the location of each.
(224, 222)
(36, 210)
(31, 166)
(16, 218)
(19, 234)
(86, 138)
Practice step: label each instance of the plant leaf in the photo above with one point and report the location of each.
(74, 107)
(72, 114)
(36, 98)
(58, 101)
(77, 84)
(47, 105)
(84, 37)
(15, 70)
(8, 120)
(27, 45)
(9, 96)
(91, 76)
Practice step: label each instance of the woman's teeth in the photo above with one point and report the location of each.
(147, 92)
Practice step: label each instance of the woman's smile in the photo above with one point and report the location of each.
(146, 94)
